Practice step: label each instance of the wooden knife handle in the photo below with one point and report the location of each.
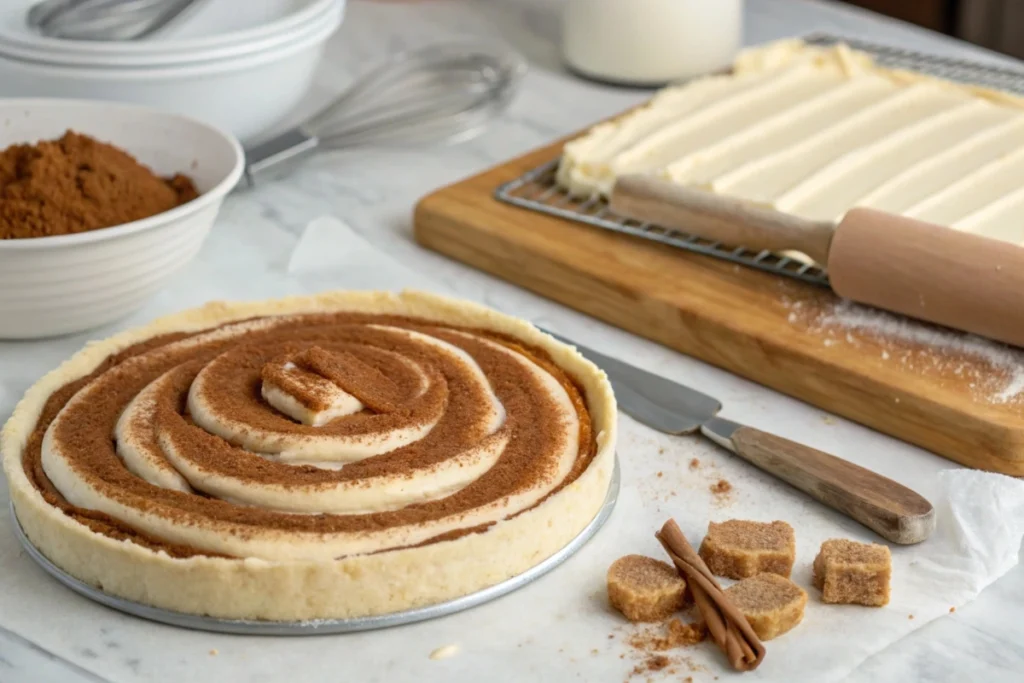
(890, 509)
(733, 222)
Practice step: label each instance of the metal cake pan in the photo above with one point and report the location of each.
(324, 626)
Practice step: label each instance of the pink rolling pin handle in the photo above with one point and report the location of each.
(930, 272)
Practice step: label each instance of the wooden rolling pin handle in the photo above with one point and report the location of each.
(930, 272)
(888, 508)
(731, 221)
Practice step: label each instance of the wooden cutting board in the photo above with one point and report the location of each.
(952, 395)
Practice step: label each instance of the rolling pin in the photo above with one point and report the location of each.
(925, 271)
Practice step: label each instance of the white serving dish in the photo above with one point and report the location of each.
(68, 283)
(245, 96)
(308, 16)
(245, 93)
(212, 24)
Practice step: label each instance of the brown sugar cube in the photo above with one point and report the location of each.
(645, 589)
(738, 549)
(853, 573)
(771, 603)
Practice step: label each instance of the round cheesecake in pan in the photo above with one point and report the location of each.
(337, 456)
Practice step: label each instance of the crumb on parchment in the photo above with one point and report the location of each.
(721, 487)
(444, 652)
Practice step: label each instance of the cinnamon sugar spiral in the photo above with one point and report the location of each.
(310, 437)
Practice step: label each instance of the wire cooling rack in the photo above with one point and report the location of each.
(537, 190)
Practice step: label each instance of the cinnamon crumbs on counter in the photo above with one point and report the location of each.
(653, 663)
(669, 636)
(721, 487)
(77, 184)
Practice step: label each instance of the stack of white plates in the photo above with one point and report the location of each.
(238, 65)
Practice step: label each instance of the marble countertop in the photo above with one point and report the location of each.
(374, 190)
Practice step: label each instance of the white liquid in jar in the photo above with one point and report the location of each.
(650, 42)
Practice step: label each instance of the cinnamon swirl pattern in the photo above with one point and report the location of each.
(319, 436)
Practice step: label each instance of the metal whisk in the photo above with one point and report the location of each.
(104, 19)
(441, 93)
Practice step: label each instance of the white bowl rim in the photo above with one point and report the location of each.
(307, 14)
(195, 69)
(211, 196)
(28, 51)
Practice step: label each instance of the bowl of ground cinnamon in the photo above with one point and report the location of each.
(77, 183)
(100, 204)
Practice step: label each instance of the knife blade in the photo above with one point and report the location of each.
(888, 508)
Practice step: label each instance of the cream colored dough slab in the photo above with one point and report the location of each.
(815, 131)
(354, 586)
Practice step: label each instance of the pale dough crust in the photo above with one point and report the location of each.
(814, 131)
(303, 590)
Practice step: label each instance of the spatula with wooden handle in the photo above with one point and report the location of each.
(888, 508)
(925, 271)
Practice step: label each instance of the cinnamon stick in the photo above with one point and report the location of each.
(727, 626)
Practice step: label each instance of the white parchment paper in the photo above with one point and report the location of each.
(560, 627)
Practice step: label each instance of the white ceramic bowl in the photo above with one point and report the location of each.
(244, 94)
(216, 42)
(69, 283)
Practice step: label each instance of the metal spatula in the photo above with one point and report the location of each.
(893, 511)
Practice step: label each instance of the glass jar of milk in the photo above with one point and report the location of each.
(650, 42)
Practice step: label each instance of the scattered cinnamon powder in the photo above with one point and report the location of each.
(952, 609)
(657, 663)
(682, 635)
(668, 636)
(666, 665)
(721, 487)
(76, 184)
(652, 663)
(694, 464)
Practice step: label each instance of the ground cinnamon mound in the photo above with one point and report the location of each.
(76, 184)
